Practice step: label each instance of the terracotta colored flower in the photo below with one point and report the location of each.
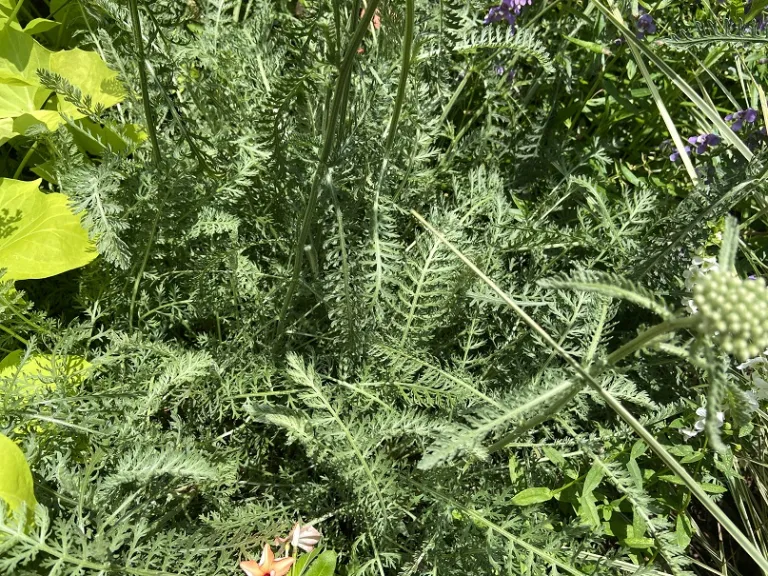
(376, 20)
(267, 565)
(305, 537)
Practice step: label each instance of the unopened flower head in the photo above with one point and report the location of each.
(695, 272)
(303, 537)
(735, 312)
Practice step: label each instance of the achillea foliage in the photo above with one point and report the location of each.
(280, 348)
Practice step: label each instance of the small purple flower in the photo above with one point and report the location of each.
(675, 156)
(507, 10)
(501, 71)
(645, 25)
(739, 117)
(499, 13)
(702, 143)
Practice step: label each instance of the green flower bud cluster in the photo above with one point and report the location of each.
(734, 311)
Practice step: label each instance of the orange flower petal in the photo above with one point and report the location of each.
(267, 557)
(252, 568)
(282, 566)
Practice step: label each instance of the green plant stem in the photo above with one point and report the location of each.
(345, 73)
(66, 558)
(612, 402)
(152, 129)
(14, 335)
(148, 115)
(649, 336)
(690, 482)
(23, 317)
(477, 517)
(391, 132)
(25, 160)
(142, 267)
(15, 11)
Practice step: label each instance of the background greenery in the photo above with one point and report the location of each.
(273, 335)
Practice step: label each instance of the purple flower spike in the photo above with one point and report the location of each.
(507, 10)
(499, 13)
(750, 115)
(738, 125)
(712, 139)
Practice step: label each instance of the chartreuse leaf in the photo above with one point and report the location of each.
(40, 25)
(96, 139)
(38, 374)
(16, 485)
(40, 368)
(635, 542)
(323, 565)
(40, 236)
(35, 26)
(532, 496)
(20, 58)
(87, 72)
(25, 102)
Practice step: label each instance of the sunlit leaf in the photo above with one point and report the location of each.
(16, 484)
(531, 496)
(40, 236)
(39, 368)
(323, 565)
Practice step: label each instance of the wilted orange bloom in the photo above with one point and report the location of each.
(267, 565)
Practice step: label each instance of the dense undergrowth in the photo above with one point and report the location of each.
(383, 269)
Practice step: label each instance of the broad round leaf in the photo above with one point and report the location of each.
(16, 485)
(40, 236)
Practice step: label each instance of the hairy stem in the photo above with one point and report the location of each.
(342, 81)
